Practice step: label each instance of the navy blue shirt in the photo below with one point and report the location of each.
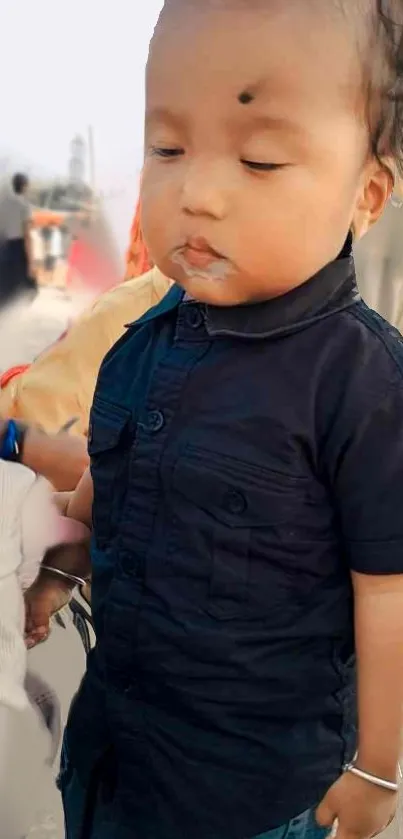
(245, 460)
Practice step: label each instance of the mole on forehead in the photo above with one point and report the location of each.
(249, 92)
(246, 97)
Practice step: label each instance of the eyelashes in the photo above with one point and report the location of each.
(166, 153)
(256, 166)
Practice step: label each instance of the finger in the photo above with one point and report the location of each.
(325, 814)
(36, 636)
(29, 623)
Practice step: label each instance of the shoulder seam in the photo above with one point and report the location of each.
(369, 318)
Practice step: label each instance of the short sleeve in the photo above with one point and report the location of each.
(368, 489)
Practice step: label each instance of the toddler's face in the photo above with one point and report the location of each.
(256, 147)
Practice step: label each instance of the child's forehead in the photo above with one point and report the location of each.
(262, 49)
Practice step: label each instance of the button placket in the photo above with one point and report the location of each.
(194, 317)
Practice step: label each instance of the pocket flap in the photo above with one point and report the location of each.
(235, 493)
(107, 423)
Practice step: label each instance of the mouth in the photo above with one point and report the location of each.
(197, 253)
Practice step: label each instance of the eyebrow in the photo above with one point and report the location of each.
(272, 122)
(166, 116)
(245, 119)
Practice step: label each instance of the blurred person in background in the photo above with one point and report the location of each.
(49, 261)
(55, 252)
(38, 251)
(16, 258)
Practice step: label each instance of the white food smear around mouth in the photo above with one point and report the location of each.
(218, 270)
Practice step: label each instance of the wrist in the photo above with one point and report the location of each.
(71, 559)
(382, 766)
(33, 442)
(12, 440)
(47, 578)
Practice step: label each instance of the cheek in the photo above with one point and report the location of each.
(156, 209)
(293, 227)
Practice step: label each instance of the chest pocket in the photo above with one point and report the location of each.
(229, 527)
(109, 441)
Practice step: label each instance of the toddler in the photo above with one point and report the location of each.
(246, 447)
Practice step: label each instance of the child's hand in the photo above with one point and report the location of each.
(362, 810)
(42, 600)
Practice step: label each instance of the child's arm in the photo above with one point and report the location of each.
(364, 462)
(362, 809)
(79, 506)
(379, 644)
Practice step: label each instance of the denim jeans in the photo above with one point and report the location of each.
(302, 827)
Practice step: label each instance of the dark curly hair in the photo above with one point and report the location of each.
(386, 85)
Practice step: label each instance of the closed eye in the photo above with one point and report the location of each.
(262, 167)
(167, 153)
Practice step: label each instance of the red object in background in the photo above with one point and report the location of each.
(88, 268)
(10, 374)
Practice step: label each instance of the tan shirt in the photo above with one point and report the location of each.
(61, 383)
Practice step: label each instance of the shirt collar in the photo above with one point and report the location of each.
(332, 289)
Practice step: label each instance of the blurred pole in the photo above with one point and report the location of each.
(91, 158)
(91, 155)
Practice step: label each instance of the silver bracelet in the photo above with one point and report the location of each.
(78, 581)
(372, 779)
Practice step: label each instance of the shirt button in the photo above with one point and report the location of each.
(155, 421)
(194, 317)
(234, 502)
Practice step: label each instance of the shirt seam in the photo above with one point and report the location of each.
(362, 317)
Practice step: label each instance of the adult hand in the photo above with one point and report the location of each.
(43, 599)
(61, 458)
(360, 809)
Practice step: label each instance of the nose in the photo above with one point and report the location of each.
(205, 192)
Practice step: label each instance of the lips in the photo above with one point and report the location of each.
(199, 254)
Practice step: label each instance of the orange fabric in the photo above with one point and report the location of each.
(137, 259)
(48, 218)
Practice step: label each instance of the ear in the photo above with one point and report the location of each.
(376, 188)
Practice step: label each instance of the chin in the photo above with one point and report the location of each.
(211, 291)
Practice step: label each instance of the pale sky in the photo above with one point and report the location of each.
(68, 64)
